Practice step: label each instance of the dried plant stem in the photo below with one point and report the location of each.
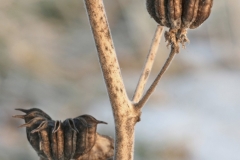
(144, 99)
(148, 64)
(125, 114)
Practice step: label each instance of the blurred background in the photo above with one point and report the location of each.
(48, 60)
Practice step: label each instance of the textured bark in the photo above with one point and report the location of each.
(125, 114)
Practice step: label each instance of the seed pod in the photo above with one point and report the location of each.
(54, 140)
(92, 130)
(161, 12)
(81, 143)
(33, 138)
(174, 13)
(152, 11)
(70, 137)
(204, 10)
(189, 14)
(179, 15)
(102, 150)
(33, 119)
(32, 113)
(44, 131)
(59, 134)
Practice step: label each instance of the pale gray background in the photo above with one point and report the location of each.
(48, 60)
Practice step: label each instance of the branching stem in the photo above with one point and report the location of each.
(148, 64)
(125, 114)
(144, 99)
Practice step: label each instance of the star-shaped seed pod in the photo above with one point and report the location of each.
(71, 139)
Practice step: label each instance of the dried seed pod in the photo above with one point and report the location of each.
(33, 118)
(70, 138)
(161, 12)
(58, 151)
(204, 10)
(102, 150)
(44, 131)
(92, 130)
(32, 113)
(152, 11)
(174, 13)
(179, 15)
(81, 142)
(33, 138)
(53, 141)
(189, 14)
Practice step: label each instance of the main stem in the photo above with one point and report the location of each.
(125, 114)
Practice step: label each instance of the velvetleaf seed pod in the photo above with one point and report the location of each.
(204, 10)
(73, 139)
(179, 15)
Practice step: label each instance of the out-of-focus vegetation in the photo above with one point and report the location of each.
(48, 60)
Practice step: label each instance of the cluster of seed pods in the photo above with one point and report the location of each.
(71, 139)
(179, 15)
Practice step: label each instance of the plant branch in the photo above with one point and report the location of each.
(148, 64)
(144, 99)
(125, 116)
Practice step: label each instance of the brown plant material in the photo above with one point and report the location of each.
(179, 15)
(73, 139)
(102, 150)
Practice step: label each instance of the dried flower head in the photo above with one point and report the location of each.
(179, 15)
(75, 138)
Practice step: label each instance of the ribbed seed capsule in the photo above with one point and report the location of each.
(44, 130)
(33, 118)
(174, 13)
(161, 12)
(91, 132)
(58, 130)
(82, 128)
(70, 137)
(53, 140)
(102, 150)
(204, 10)
(179, 15)
(33, 138)
(151, 10)
(189, 14)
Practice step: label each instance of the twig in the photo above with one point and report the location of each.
(148, 64)
(155, 82)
